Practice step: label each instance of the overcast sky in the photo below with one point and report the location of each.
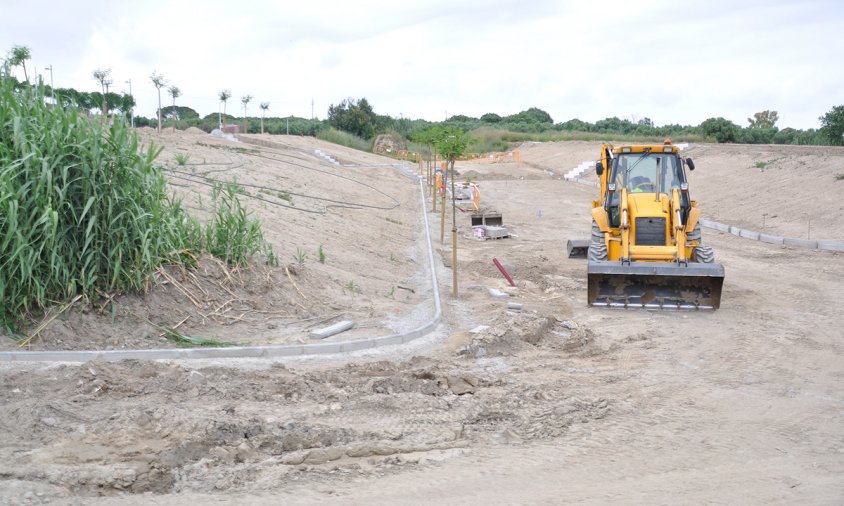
(670, 61)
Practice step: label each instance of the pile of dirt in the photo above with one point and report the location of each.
(388, 143)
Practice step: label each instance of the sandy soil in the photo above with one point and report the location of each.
(557, 403)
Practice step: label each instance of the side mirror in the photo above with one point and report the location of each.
(599, 168)
(690, 163)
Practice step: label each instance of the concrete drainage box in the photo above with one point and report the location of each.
(487, 219)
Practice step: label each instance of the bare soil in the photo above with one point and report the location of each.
(556, 403)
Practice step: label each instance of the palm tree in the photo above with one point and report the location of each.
(175, 92)
(18, 56)
(264, 107)
(224, 95)
(245, 100)
(101, 76)
(159, 82)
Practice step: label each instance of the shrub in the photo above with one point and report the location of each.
(82, 208)
(233, 234)
(345, 139)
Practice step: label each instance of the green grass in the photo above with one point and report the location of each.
(182, 158)
(300, 257)
(483, 140)
(84, 210)
(839, 177)
(321, 254)
(345, 139)
(233, 234)
(285, 196)
(353, 287)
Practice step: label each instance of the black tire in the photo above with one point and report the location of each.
(597, 246)
(694, 235)
(703, 255)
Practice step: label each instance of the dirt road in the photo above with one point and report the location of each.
(554, 404)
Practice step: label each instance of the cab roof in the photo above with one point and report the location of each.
(644, 148)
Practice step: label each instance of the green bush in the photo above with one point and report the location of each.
(232, 234)
(345, 139)
(82, 208)
(723, 130)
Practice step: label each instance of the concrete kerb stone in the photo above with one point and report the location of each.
(749, 234)
(801, 243)
(831, 245)
(252, 351)
(771, 239)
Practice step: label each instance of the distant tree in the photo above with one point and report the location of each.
(87, 101)
(576, 125)
(245, 101)
(615, 124)
(95, 100)
(491, 117)
(127, 102)
(353, 116)
(832, 125)
(113, 101)
(532, 115)
(723, 130)
(427, 137)
(159, 82)
(764, 119)
(174, 92)
(264, 106)
(18, 56)
(645, 122)
(101, 76)
(224, 96)
(451, 144)
(180, 112)
(756, 135)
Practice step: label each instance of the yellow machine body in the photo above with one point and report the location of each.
(646, 248)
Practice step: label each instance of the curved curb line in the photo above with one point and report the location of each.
(251, 351)
(773, 239)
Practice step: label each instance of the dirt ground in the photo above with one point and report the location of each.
(557, 403)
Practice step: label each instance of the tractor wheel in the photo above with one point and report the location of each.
(703, 254)
(597, 246)
(694, 235)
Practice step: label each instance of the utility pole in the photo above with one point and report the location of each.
(107, 83)
(131, 109)
(312, 109)
(288, 125)
(52, 90)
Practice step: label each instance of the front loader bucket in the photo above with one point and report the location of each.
(577, 248)
(652, 285)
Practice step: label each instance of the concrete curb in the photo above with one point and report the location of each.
(252, 351)
(753, 235)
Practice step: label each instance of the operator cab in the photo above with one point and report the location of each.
(652, 170)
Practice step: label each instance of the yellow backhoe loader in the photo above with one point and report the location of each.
(646, 249)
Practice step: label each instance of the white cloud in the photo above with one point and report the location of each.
(672, 62)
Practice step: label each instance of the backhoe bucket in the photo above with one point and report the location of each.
(652, 285)
(577, 248)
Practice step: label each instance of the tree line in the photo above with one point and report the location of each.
(358, 117)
